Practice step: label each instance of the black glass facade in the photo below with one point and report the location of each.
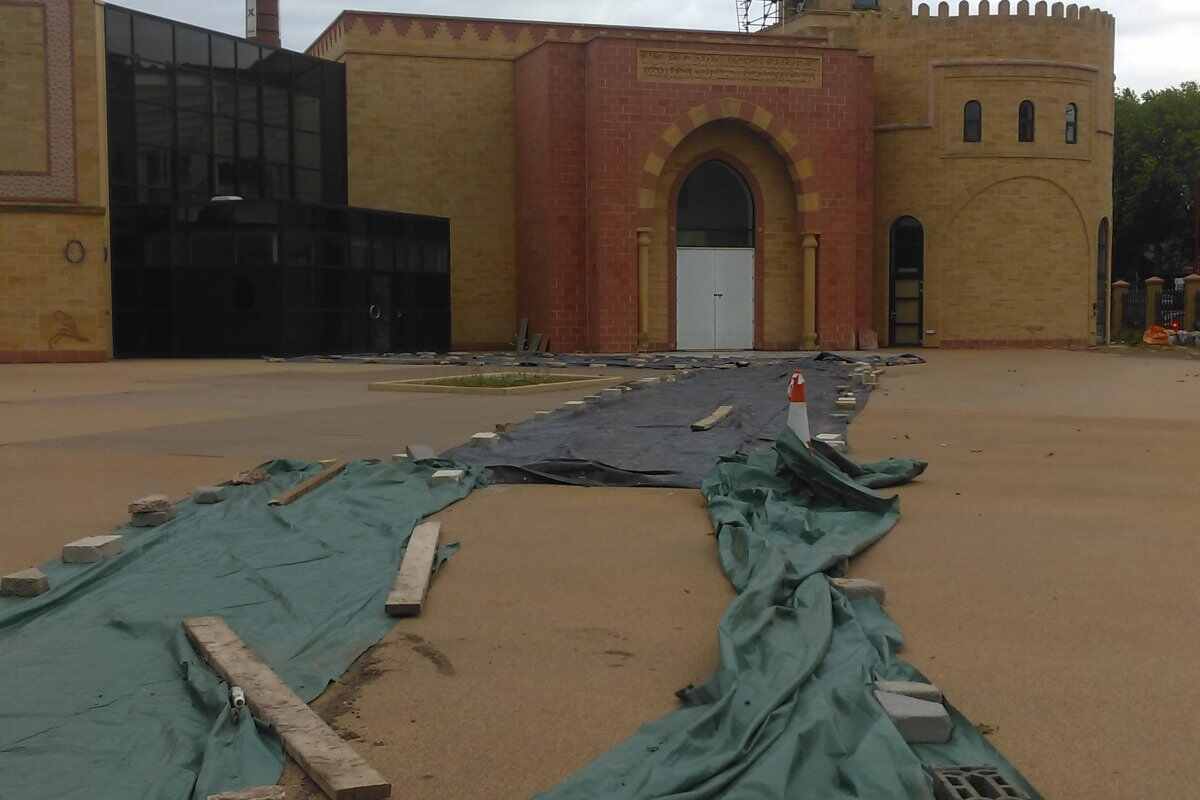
(195, 115)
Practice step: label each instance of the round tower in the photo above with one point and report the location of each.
(993, 153)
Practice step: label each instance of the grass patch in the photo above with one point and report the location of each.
(503, 380)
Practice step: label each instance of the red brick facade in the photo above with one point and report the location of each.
(588, 134)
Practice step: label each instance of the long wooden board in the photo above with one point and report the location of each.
(320, 479)
(416, 570)
(712, 419)
(340, 772)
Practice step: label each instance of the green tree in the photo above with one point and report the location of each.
(1156, 164)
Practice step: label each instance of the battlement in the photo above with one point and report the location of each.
(1023, 9)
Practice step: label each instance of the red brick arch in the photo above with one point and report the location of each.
(754, 116)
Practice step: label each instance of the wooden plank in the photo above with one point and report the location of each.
(321, 478)
(340, 772)
(712, 419)
(412, 581)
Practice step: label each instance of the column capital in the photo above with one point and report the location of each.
(644, 235)
(1192, 278)
(1155, 281)
(1120, 284)
(809, 242)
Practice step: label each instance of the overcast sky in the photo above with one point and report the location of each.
(1158, 41)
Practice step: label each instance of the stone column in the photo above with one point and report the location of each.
(809, 245)
(1153, 300)
(1116, 308)
(643, 244)
(1191, 285)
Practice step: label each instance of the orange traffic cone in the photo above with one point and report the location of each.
(798, 408)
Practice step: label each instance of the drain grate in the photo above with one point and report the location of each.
(974, 783)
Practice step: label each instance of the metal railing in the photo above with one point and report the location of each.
(1134, 316)
(1170, 307)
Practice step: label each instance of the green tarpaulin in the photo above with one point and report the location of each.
(101, 696)
(790, 712)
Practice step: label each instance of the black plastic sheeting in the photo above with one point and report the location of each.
(658, 361)
(644, 438)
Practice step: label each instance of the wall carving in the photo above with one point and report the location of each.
(745, 69)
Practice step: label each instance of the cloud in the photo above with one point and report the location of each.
(1156, 39)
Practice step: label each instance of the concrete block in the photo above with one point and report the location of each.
(855, 588)
(327, 462)
(91, 549)
(919, 691)
(420, 452)
(834, 440)
(542, 413)
(256, 793)
(150, 503)
(208, 495)
(400, 458)
(485, 439)
(152, 519)
(574, 406)
(26, 583)
(447, 476)
(973, 783)
(847, 403)
(919, 721)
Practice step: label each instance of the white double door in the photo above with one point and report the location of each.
(714, 298)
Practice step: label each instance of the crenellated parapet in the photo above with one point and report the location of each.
(1005, 9)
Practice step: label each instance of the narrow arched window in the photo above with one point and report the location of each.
(1025, 121)
(973, 122)
(1072, 123)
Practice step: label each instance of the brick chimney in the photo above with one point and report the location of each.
(262, 22)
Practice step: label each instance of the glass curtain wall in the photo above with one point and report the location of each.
(230, 231)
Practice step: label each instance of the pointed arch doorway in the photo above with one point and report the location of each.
(715, 260)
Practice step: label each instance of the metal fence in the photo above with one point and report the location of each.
(1134, 315)
(1169, 311)
(1170, 307)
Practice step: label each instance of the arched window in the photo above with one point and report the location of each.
(1072, 123)
(1025, 121)
(715, 208)
(973, 122)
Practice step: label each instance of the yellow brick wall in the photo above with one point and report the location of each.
(49, 308)
(782, 311)
(435, 136)
(1011, 228)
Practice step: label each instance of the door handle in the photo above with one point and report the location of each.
(373, 312)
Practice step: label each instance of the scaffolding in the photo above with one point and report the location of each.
(759, 15)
